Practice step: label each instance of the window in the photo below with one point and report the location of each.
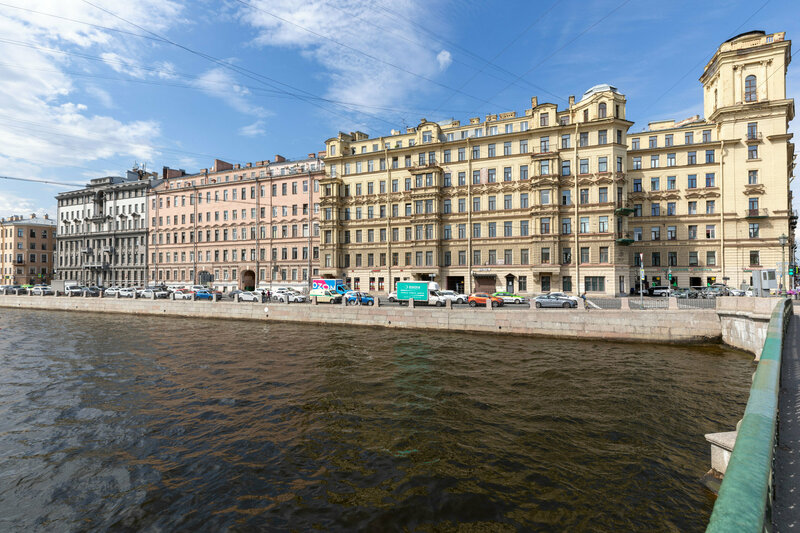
(710, 231)
(653, 161)
(584, 196)
(654, 183)
(755, 259)
(583, 139)
(709, 156)
(637, 163)
(523, 200)
(671, 181)
(462, 205)
(492, 229)
(602, 137)
(492, 175)
(507, 229)
(634, 144)
(584, 255)
(672, 233)
(545, 167)
(711, 258)
(544, 144)
(476, 203)
(692, 208)
(706, 136)
(507, 202)
(693, 259)
(523, 146)
(692, 232)
(544, 226)
(491, 151)
(462, 154)
(689, 138)
(566, 226)
(710, 206)
(566, 256)
(447, 180)
(655, 210)
(754, 231)
(691, 182)
(492, 203)
(752, 177)
(672, 259)
(523, 228)
(602, 164)
(655, 233)
(566, 283)
(594, 283)
(710, 182)
(476, 230)
(752, 131)
(603, 195)
(546, 255)
(671, 209)
(750, 89)
(602, 224)
(565, 168)
(462, 178)
(544, 119)
(691, 158)
(668, 139)
(653, 141)
(506, 173)
(637, 184)
(565, 141)
(601, 110)
(637, 210)
(584, 225)
(671, 160)
(544, 197)
(655, 259)
(523, 172)
(752, 151)
(507, 148)
(566, 197)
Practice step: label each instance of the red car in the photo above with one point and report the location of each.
(479, 298)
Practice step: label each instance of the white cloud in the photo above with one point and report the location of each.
(218, 82)
(11, 204)
(43, 121)
(253, 130)
(444, 58)
(359, 24)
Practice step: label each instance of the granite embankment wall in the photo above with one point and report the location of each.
(667, 325)
(744, 322)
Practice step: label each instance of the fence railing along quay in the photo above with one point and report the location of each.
(745, 497)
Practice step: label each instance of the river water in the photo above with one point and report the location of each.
(124, 423)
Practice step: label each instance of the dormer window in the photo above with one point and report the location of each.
(427, 137)
(601, 110)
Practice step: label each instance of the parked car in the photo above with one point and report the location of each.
(565, 295)
(658, 290)
(453, 296)
(183, 294)
(126, 292)
(326, 296)
(553, 300)
(479, 298)
(288, 295)
(42, 290)
(510, 297)
(153, 293)
(204, 294)
(392, 297)
(111, 291)
(351, 297)
(249, 296)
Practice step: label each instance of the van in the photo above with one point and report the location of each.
(326, 296)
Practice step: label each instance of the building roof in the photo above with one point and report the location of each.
(598, 89)
(18, 220)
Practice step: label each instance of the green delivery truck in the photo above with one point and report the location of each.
(422, 292)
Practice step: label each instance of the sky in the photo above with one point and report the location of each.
(88, 88)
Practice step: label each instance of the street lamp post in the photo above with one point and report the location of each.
(783, 239)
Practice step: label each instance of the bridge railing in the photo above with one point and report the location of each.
(745, 497)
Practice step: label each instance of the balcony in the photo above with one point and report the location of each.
(108, 249)
(624, 239)
(96, 265)
(756, 213)
(793, 219)
(624, 211)
(87, 250)
(19, 261)
(97, 218)
(754, 136)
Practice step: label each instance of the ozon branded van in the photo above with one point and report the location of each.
(337, 286)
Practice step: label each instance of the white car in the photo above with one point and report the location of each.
(183, 295)
(453, 296)
(392, 296)
(288, 295)
(249, 296)
(41, 290)
(126, 292)
(111, 291)
(76, 290)
(153, 293)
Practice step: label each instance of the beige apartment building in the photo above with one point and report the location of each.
(554, 199)
(27, 247)
(711, 196)
(237, 226)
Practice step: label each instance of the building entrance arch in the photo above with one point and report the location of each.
(248, 280)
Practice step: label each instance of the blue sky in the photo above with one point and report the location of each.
(88, 87)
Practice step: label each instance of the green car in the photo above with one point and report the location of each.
(510, 297)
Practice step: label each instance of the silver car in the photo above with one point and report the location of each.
(453, 296)
(552, 300)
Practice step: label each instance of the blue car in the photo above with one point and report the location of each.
(204, 295)
(351, 297)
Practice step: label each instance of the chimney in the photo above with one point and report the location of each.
(571, 100)
(534, 101)
(311, 155)
(33, 215)
(46, 216)
(279, 158)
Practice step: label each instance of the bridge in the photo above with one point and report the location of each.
(760, 490)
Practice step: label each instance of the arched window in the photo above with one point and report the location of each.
(750, 89)
(601, 110)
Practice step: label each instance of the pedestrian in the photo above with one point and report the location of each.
(358, 298)
(585, 301)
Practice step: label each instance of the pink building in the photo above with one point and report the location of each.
(237, 226)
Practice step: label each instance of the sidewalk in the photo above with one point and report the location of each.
(786, 505)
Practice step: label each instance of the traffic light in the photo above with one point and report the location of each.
(791, 270)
